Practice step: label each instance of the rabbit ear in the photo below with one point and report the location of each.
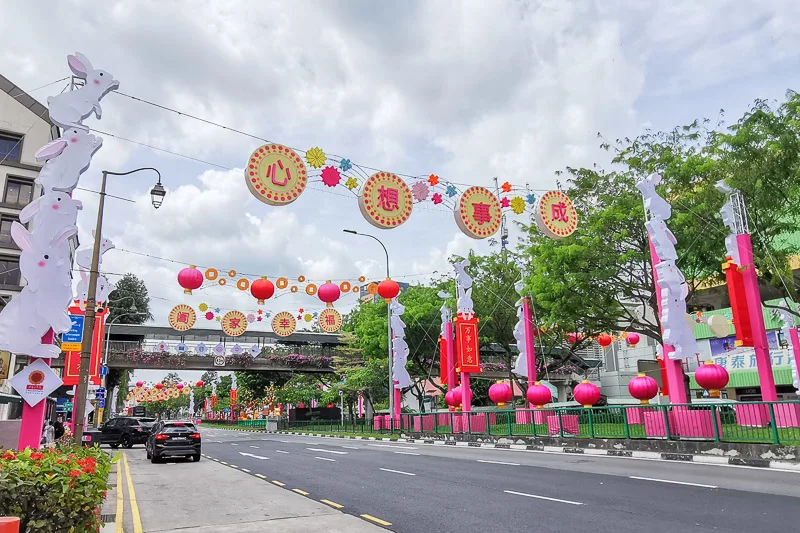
(21, 236)
(30, 210)
(64, 235)
(77, 66)
(84, 60)
(50, 150)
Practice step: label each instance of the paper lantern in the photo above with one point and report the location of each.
(711, 377)
(179, 386)
(500, 393)
(451, 399)
(190, 279)
(199, 384)
(388, 289)
(586, 393)
(262, 289)
(604, 340)
(139, 383)
(632, 339)
(643, 388)
(329, 292)
(159, 386)
(539, 395)
(572, 338)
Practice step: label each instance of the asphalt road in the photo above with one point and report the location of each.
(421, 488)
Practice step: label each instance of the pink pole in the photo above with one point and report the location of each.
(451, 355)
(753, 296)
(530, 345)
(677, 390)
(398, 400)
(793, 335)
(30, 431)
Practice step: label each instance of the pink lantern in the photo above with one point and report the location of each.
(190, 279)
(451, 399)
(586, 393)
(179, 386)
(711, 377)
(329, 292)
(500, 393)
(632, 339)
(643, 388)
(539, 395)
(573, 338)
(139, 383)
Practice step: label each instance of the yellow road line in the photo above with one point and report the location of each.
(120, 500)
(262, 476)
(332, 504)
(376, 520)
(137, 519)
(298, 491)
(279, 483)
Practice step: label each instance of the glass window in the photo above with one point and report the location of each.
(9, 271)
(19, 192)
(10, 147)
(5, 233)
(111, 423)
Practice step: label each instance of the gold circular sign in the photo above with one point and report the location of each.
(275, 174)
(478, 213)
(330, 320)
(555, 215)
(284, 324)
(234, 323)
(386, 200)
(182, 317)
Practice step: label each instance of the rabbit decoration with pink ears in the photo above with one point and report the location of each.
(43, 301)
(69, 109)
(50, 213)
(67, 158)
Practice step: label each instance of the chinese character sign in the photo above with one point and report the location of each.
(467, 346)
(234, 323)
(182, 317)
(478, 213)
(555, 215)
(284, 323)
(275, 174)
(386, 200)
(330, 320)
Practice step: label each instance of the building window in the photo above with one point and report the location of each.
(5, 233)
(10, 147)
(18, 193)
(9, 272)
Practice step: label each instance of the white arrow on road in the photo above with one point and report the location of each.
(253, 456)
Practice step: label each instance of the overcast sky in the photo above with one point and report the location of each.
(468, 90)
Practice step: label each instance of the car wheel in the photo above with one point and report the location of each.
(155, 459)
(149, 455)
(115, 446)
(127, 442)
(196, 458)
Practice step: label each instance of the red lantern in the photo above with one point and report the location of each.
(388, 289)
(586, 393)
(200, 383)
(711, 377)
(329, 292)
(159, 386)
(190, 279)
(139, 383)
(643, 388)
(500, 393)
(632, 339)
(604, 340)
(262, 289)
(539, 395)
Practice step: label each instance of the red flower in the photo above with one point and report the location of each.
(9, 455)
(74, 473)
(37, 456)
(89, 469)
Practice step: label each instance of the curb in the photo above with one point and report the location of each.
(634, 454)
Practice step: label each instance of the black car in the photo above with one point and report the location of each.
(173, 438)
(126, 431)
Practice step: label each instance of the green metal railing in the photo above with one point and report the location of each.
(755, 422)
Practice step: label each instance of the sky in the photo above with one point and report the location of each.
(468, 90)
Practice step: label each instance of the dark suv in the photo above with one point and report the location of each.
(126, 431)
(173, 438)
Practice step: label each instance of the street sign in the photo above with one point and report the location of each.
(101, 403)
(139, 410)
(103, 370)
(72, 340)
(67, 406)
(219, 360)
(100, 392)
(341, 393)
(226, 410)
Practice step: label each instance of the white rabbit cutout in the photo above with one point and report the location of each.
(399, 346)
(464, 303)
(69, 109)
(54, 211)
(84, 256)
(67, 158)
(654, 203)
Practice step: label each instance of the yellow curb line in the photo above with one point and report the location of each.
(332, 504)
(279, 483)
(137, 519)
(376, 520)
(120, 500)
(262, 476)
(298, 491)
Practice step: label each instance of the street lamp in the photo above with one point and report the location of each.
(157, 196)
(389, 321)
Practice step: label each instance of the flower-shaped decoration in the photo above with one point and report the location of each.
(436, 198)
(420, 191)
(506, 187)
(331, 176)
(351, 183)
(531, 198)
(217, 310)
(451, 190)
(260, 311)
(182, 348)
(433, 179)
(345, 165)
(517, 205)
(203, 307)
(251, 318)
(505, 202)
(162, 346)
(201, 349)
(219, 319)
(316, 157)
(219, 349)
(237, 350)
(254, 350)
(209, 316)
(307, 317)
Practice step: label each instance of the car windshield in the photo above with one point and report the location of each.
(147, 422)
(177, 427)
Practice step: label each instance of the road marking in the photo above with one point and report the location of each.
(325, 459)
(245, 470)
(541, 497)
(137, 518)
(498, 462)
(326, 451)
(234, 444)
(253, 446)
(281, 451)
(407, 453)
(351, 447)
(234, 466)
(279, 483)
(120, 500)
(262, 476)
(398, 472)
(674, 482)
(393, 446)
(376, 520)
(223, 463)
(261, 457)
(285, 441)
(332, 504)
(298, 491)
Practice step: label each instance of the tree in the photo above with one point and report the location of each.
(172, 378)
(129, 302)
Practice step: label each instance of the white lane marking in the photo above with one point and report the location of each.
(245, 470)
(285, 441)
(281, 451)
(542, 497)
(351, 447)
(234, 444)
(498, 462)
(393, 446)
(398, 472)
(325, 459)
(253, 446)
(674, 482)
(407, 453)
(326, 451)
(253, 456)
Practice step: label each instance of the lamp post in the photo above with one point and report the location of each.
(157, 197)
(389, 323)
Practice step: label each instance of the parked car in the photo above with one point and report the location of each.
(126, 431)
(173, 438)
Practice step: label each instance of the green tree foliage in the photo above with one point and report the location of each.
(129, 302)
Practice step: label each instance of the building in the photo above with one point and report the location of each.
(24, 128)
(366, 296)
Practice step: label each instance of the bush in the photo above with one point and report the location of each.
(56, 490)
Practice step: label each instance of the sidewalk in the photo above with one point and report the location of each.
(208, 497)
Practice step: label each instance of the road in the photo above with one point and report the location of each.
(419, 488)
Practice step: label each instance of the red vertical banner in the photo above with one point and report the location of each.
(72, 361)
(741, 313)
(467, 346)
(443, 361)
